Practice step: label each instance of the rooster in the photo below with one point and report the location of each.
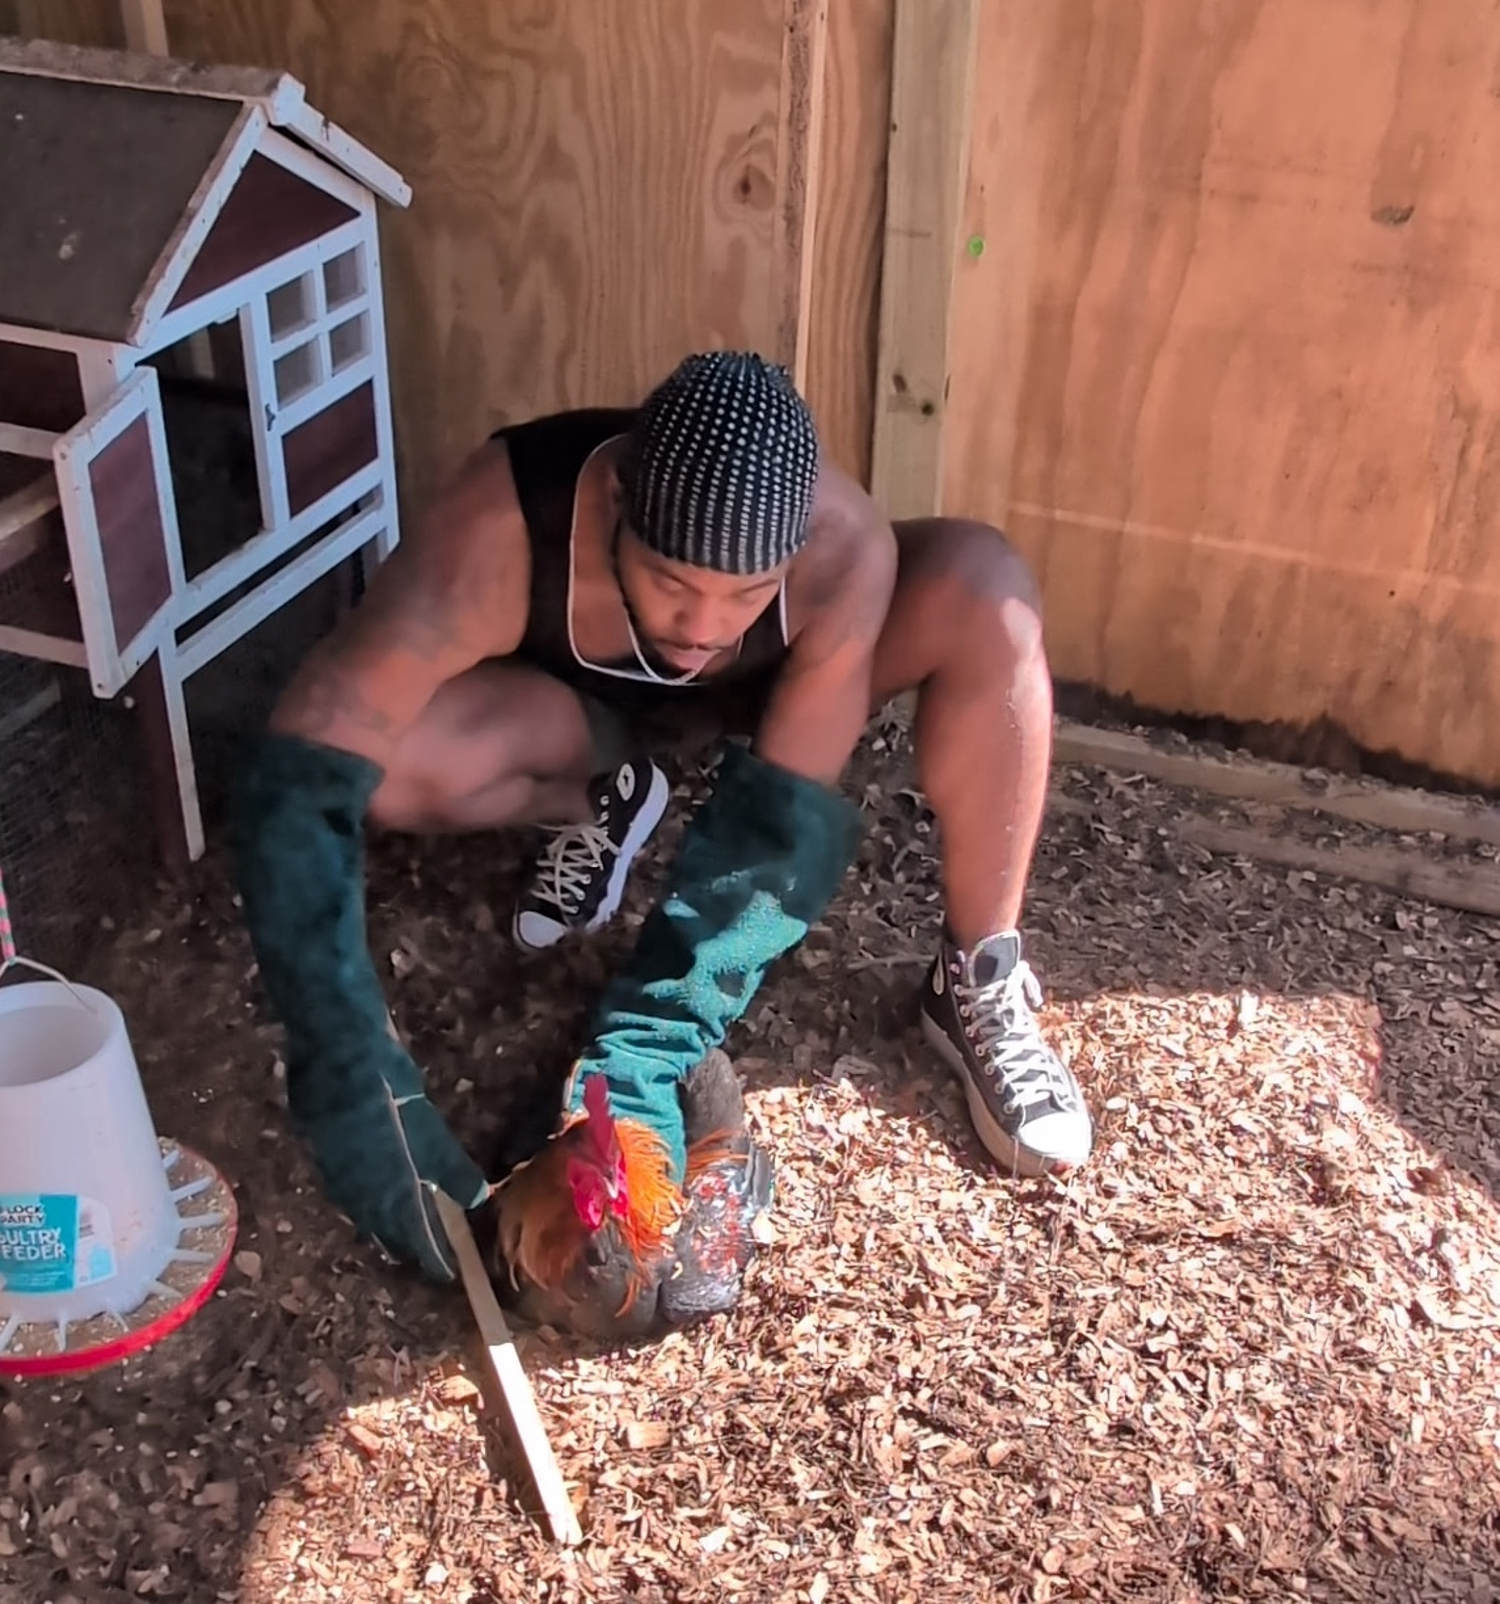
(594, 1236)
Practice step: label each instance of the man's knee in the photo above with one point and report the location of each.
(991, 595)
(402, 803)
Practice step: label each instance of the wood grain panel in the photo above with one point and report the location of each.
(847, 235)
(1012, 127)
(331, 446)
(594, 186)
(848, 184)
(72, 22)
(1232, 377)
(127, 505)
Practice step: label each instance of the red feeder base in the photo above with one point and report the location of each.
(43, 1348)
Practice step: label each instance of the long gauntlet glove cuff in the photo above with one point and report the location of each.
(758, 865)
(354, 1091)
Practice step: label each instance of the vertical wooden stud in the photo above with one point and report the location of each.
(799, 163)
(931, 100)
(145, 26)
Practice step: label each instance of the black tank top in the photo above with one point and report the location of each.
(547, 456)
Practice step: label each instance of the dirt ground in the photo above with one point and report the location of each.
(1249, 1352)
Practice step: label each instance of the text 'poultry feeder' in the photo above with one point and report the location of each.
(109, 1237)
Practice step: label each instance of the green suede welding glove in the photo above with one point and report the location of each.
(758, 865)
(354, 1092)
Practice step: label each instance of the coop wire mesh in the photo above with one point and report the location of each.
(75, 829)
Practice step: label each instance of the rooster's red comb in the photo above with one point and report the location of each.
(596, 1105)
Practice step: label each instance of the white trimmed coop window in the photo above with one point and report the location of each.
(319, 324)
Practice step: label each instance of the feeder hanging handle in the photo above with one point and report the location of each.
(11, 959)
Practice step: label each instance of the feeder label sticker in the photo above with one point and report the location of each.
(53, 1242)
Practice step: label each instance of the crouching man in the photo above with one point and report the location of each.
(592, 586)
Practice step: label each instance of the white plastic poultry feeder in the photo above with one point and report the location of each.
(109, 1237)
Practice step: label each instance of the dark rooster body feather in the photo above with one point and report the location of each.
(715, 1242)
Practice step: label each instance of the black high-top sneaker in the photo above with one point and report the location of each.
(977, 1012)
(580, 875)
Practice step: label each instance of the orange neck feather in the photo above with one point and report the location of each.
(655, 1202)
(540, 1233)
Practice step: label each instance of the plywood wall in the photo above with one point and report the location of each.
(1223, 359)
(73, 22)
(1229, 366)
(596, 187)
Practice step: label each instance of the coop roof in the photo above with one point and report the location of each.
(119, 176)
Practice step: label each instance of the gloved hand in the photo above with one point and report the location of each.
(758, 864)
(381, 1148)
(354, 1092)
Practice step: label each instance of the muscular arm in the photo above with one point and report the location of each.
(838, 603)
(450, 595)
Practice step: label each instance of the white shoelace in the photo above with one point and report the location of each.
(1004, 1032)
(567, 865)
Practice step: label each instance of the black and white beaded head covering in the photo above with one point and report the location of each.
(720, 467)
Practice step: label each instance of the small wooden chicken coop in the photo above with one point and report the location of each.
(143, 201)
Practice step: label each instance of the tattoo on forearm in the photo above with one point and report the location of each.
(416, 621)
(416, 628)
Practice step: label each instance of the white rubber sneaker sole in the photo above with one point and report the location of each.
(1001, 1146)
(642, 828)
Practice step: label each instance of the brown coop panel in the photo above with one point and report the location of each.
(34, 590)
(123, 480)
(338, 441)
(28, 510)
(270, 212)
(39, 389)
(20, 473)
(34, 593)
